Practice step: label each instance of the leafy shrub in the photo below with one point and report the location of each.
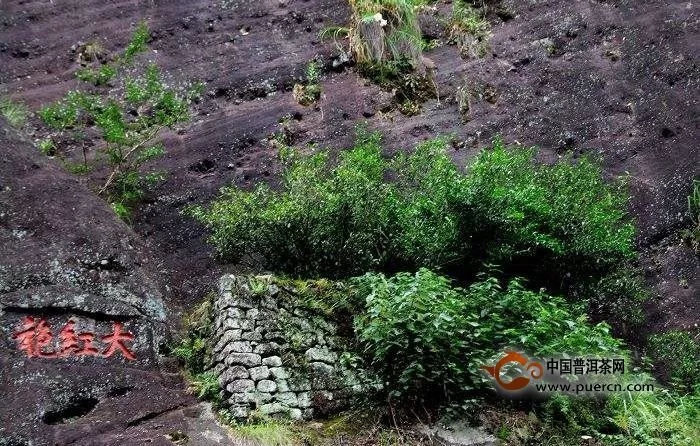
(350, 218)
(564, 217)
(320, 222)
(97, 77)
(194, 352)
(194, 349)
(428, 338)
(46, 146)
(679, 356)
(128, 119)
(618, 295)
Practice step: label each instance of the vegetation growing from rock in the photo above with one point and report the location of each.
(428, 337)
(347, 218)
(425, 335)
(469, 29)
(382, 31)
(386, 43)
(310, 91)
(194, 352)
(692, 235)
(129, 121)
(15, 112)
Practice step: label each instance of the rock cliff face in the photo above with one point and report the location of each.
(81, 319)
(273, 355)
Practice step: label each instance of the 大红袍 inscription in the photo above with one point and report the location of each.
(35, 338)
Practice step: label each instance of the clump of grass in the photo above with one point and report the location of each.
(659, 418)
(385, 30)
(692, 235)
(386, 43)
(469, 28)
(77, 168)
(46, 146)
(15, 112)
(310, 91)
(92, 51)
(267, 433)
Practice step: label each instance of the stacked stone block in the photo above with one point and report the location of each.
(274, 357)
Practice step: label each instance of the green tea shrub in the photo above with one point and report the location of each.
(678, 354)
(129, 120)
(563, 217)
(365, 212)
(427, 338)
(322, 221)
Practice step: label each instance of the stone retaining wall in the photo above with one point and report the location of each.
(273, 356)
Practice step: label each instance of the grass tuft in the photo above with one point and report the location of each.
(15, 112)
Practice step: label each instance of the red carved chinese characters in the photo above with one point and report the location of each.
(115, 341)
(25, 337)
(88, 349)
(68, 340)
(34, 337)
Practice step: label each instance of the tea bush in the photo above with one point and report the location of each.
(366, 212)
(128, 120)
(428, 338)
(679, 355)
(563, 217)
(321, 222)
